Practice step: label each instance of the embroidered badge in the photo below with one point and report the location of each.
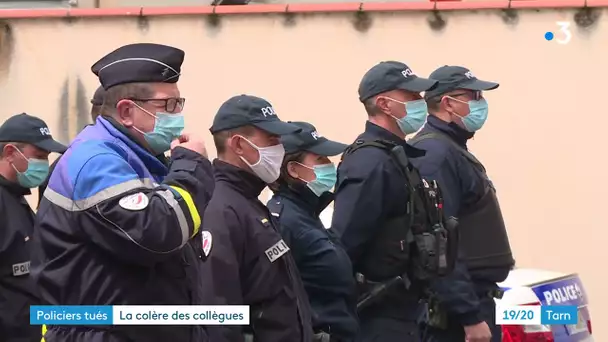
(207, 242)
(134, 202)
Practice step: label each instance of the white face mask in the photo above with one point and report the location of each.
(268, 167)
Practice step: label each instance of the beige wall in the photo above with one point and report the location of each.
(544, 144)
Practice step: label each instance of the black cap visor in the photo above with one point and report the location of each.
(50, 145)
(418, 85)
(327, 148)
(277, 127)
(479, 85)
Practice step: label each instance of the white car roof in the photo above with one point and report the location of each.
(521, 281)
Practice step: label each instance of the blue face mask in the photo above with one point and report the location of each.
(167, 127)
(478, 114)
(325, 178)
(415, 116)
(36, 173)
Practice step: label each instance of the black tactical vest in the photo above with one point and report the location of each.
(483, 239)
(420, 244)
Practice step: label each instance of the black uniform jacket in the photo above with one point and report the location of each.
(461, 187)
(44, 184)
(17, 292)
(250, 264)
(370, 191)
(325, 267)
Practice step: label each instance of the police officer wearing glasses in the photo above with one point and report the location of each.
(302, 192)
(385, 212)
(463, 307)
(118, 219)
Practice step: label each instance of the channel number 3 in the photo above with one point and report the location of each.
(564, 27)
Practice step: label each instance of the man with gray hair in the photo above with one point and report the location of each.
(117, 221)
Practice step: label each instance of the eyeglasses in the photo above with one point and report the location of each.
(475, 95)
(171, 105)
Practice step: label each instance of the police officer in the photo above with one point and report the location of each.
(466, 298)
(114, 225)
(248, 263)
(302, 192)
(97, 103)
(372, 193)
(25, 144)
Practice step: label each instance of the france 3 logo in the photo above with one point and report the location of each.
(564, 36)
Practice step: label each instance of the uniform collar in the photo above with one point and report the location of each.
(300, 194)
(156, 164)
(241, 180)
(373, 131)
(457, 133)
(13, 187)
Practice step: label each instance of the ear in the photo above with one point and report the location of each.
(383, 104)
(292, 170)
(125, 110)
(446, 104)
(235, 143)
(8, 152)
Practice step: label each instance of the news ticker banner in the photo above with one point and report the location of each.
(139, 315)
(239, 315)
(536, 314)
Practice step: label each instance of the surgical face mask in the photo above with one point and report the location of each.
(36, 172)
(325, 178)
(478, 114)
(167, 127)
(415, 116)
(268, 167)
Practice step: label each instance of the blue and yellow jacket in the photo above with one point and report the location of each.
(119, 226)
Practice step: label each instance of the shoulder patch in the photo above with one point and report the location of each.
(134, 202)
(207, 242)
(21, 269)
(277, 250)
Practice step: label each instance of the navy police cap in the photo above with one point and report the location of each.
(245, 110)
(143, 62)
(456, 77)
(309, 140)
(392, 75)
(25, 128)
